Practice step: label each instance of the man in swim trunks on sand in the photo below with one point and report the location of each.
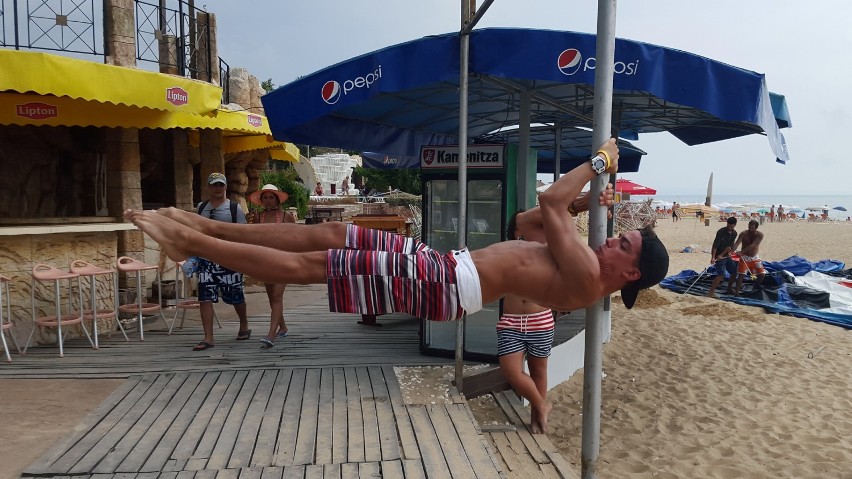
(424, 283)
(749, 260)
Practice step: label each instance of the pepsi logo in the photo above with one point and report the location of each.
(331, 92)
(569, 61)
(428, 156)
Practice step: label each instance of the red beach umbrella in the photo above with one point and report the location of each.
(627, 186)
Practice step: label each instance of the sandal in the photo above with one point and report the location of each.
(267, 343)
(243, 335)
(202, 346)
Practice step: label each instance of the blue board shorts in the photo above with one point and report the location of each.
(213, 278)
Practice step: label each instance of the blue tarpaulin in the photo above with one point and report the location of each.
(781, 292)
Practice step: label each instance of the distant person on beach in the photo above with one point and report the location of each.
(344, 186)
(675, 212)
(353, 261)
(772, 214)
(780, 213)
(749, 260)
(720, 257)
(271, 199)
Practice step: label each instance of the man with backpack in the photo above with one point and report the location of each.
(213, 278)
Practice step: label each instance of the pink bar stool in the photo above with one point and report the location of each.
(181, 295)
(130, 265)
(6, 318)
(91, 271)
(45, 273)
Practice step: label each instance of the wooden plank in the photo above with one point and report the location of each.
(96, 453)
(430, 449)
(228, 474)
(271, 472)
(331, 471)
(349, 470)
(392, 469)
(119, 451)
(241, 456)
(369, 470)
(505, 451)
(97, 418)
(246, 472)
(403, 422)
(208, 474)
(186, 475)
(355, 424)
(160, 457)
(525, 456)
(562, 466)
(325, 418)
(413, 469)
(339, 446)
(307, 436)
(372, 446)
(294, 472)
(548, 471)
(286, 443)
(234, 421)
(154, 434)
(214, 428)
(474, 444)
(264, 447)
(522, 415)
(451, 446)
(313, 471)
(192, 437)
(388, 437)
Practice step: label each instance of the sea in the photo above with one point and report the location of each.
(754, 202)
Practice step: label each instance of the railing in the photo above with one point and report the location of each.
(174, 38)
(171, 38)
(67, 26)
(225, 81)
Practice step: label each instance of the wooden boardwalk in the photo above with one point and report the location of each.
(325, 405)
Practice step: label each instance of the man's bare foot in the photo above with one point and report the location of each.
(169, 234)
(194, 221)
(538, 425)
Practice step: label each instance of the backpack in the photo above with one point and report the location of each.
(203, 205)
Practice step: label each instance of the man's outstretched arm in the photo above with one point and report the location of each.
(560, 231)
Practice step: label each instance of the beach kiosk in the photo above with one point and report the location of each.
(492, 189)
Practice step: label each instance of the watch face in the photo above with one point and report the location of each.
(598, 164)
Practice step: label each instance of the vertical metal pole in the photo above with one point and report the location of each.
(557, 153)
(15, 17)
(464, 50)
(605, 54)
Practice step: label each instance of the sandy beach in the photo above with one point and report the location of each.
(694, 387)
(699, 388)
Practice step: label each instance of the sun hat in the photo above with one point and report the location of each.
(653, 266)
(254, 197)
(217, 178)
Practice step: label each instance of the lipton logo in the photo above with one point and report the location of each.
(255, 121)
(428, 156)
(177, 96)
(37, 111)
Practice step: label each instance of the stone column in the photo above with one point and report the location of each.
(120, 33)
(168, 55)
(207, 22)
(212, 158)
(183, 170)
(124, 184)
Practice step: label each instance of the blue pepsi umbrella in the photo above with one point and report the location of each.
(399, 98)
(839, 208)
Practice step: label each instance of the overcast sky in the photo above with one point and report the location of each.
(801, 47)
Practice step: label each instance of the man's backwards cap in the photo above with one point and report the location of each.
(653, 266)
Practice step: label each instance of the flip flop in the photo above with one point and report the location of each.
(202, 345)
(267, 343)
(243, 335)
